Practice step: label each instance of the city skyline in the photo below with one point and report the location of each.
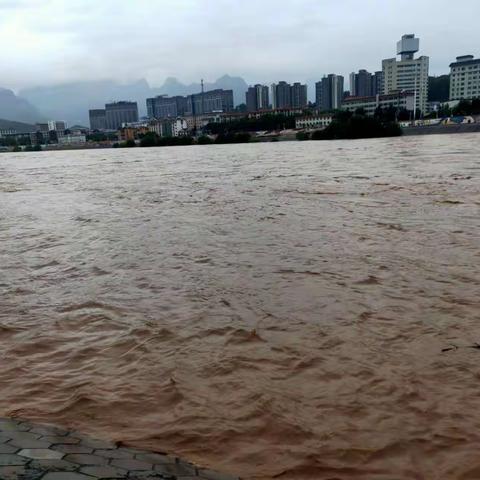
(56, 44)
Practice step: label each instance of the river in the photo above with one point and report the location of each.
(293, 310)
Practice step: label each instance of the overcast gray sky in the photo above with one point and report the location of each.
(56, 41)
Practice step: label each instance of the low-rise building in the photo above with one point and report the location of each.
(72, 139)
(179, 127)
(5, 132)
(398, 100)
(313, 122)
(170, 128)
(48, 133)
(288, 112)
(57, 125)
(131, 132)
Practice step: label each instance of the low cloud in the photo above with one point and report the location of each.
(53, 41)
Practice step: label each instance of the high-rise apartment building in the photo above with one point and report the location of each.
(361, 84)
(364, 84)
(257, 98)
(408, 73)
(299, 95)
(330, 92)
(285, 95)
(97, 119)
(166, 107)
(377, 83)
(465, 78)
(318, 94)
(213, 101)
(353, 85)
(197, 104)
(118, 113)
(281, 95)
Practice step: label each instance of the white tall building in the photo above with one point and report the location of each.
(262, 97)
(408, 73)
(58, 126)
(273, 95)
(465, 78)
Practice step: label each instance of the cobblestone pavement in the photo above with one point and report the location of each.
(34, 452)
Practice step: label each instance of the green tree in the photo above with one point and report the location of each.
(33, 148)
(267, 122)
(128, 144)
(467, 107)
(439, 88)
(345, 125)
(150, 139)
(101, 137)
(241, 108)
(8, 141)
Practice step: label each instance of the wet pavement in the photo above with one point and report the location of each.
(32, 452)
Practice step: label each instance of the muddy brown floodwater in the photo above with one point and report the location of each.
(270, 310)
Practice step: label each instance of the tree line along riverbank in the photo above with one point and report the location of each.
(345, 125)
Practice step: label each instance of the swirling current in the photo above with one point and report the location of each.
(293, 310)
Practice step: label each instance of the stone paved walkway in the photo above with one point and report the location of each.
(34, 452)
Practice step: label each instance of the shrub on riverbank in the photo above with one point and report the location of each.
(204, 140)
(232, 138)
(301, 136)
(151, 139)
(267, 122)
(33, 148)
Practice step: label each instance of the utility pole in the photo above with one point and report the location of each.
(415, 98)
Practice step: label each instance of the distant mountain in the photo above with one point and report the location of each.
(71, 102)
(18, 127)
(17, 109)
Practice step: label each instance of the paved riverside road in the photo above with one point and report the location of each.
(34, 452)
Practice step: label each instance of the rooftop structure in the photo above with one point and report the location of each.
(408, 46)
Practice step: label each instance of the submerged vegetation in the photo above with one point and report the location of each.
(348, 125)
(151, 139)
(267, 122)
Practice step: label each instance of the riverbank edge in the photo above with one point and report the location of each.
(442, 129)
(47, 452)
(406, 131)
